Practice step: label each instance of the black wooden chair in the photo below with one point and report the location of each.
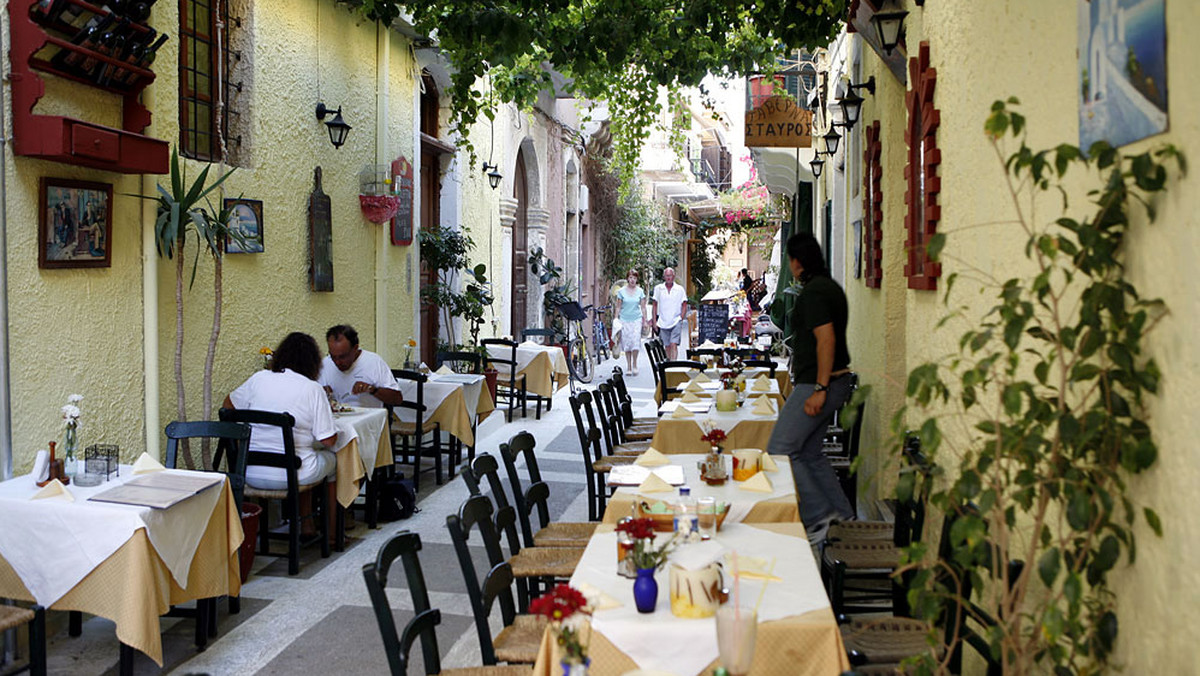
(595, 462)
(699, 353)
(666, 391)
(608, 416)
(544, 337)
(409, 442)
(460, 362)
(233, 445)
(629, 435)
(406, 545)
(290, 463)
(521, 637)
(769, 364)
(12, 617)
(656, 353)
(842, 442)
(748, 354)
(626, 402)
(510, 385)
(537, 497)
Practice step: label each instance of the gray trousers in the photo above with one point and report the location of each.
(800, 437)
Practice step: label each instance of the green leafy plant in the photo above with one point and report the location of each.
(555, 292)
(1051, 383)
(448, 252)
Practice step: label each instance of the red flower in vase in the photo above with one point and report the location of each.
(559, 603)
(638, 529)
(714, 437)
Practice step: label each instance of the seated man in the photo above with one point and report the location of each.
(354, 376)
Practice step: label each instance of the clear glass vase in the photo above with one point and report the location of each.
(72, 463)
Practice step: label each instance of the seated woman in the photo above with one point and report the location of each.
(290, 387)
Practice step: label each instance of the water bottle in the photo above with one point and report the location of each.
(687, 521)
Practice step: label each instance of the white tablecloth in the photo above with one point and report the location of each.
(364, 424)
(725, 420)
(528, 351)
(471, 384)
(660, 640)
(740, 501)
(435, 392)
(52, 544)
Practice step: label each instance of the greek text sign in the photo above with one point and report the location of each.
(779, 123)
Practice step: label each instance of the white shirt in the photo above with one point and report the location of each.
(670, 304)
(369, 368)
(285, 392)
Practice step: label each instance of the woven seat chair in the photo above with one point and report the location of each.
(537, 497)
(405, 546)
(596, 463)
(459, 362)
(657, 353)
(608, 419)
(413, 444)
(769, 364)
(666, 391)
(533, 567)
(883, 531)
(627, 435)
(12, 617)
(626, 403)
(510, 385)
(290, 462)
(878, 645)
(520, 638)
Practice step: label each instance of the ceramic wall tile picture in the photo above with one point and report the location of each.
(74, 224)
(246, 219)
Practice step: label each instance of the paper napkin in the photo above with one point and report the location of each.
(689, 398)
(759, 483)
(681, 412)
(54, 489)
(761, 385)
(655, 484)
(146, 464)
(445, 370)
(652, 458)
(597, 599)
(693, 387)
(709, 345)
(702, 377)
(764, 406)
(768, 463)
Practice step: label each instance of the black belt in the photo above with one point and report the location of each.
(831, 379)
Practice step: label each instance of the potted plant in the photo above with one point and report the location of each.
(555, 293)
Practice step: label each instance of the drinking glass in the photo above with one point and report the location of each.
(736, 629)
(707, 516)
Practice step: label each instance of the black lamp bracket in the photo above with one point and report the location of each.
(869, 85)
(323, 111)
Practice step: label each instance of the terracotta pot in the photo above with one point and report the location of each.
(250, 517)
(491, 376)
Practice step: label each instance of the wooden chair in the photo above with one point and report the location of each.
(509, 385)
(841, 444)
(769, 364)
(667, 391)
(699, 353)
(405, 545)
(413, 446)
(626, 402)
(595, 464)
(656, 353)
(609, 416)
(290, 463)
(521, 636)
(749, 354)
(546, 337)
(460, 362)
(628, 434)
(537, 497)
(12, 617)
(534, 568)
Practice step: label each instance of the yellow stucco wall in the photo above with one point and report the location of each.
(82, 330)
(1027, 49)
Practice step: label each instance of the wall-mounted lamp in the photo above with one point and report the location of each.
(338, 129)
(851, 103)
(888, 27)
(816, 165)
(493, 175)
(831, 141)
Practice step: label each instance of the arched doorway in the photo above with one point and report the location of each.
(520, 248)
(431, 197)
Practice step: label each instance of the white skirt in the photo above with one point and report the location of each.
(631, 337)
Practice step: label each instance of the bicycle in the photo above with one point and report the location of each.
(579, 361)
(600, 340)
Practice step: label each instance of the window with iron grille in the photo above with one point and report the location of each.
(211, 86)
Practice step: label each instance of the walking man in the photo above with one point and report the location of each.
(820, 366)
(670, 307)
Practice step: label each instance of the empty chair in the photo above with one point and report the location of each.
(460, 362)
(521, 636)
(537, 497)
(413, 444)
(717, 354)
(510, 385)
(666, 390)
(626, 402)
(12, 617)
(595, 463)
(290, 463)
(656, 353)
(405, 546)
(609, 417)
(768, 364)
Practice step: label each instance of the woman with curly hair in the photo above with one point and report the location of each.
(290, 387)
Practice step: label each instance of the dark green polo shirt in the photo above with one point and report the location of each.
(821, 301)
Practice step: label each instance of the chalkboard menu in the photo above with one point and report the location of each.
(402, 223)
(714, 322)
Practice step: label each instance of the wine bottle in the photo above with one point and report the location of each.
(106, 44)
(147, 58)
(132, 54)
(87, 38)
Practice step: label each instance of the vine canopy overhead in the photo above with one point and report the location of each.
(606, 45)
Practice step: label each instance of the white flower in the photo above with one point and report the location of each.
(75, 398)
(70, 411)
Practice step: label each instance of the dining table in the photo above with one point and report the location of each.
(677, 375)
(362, 445)
(778, 505)
(796, 633)
(125, 563)
(544, 366)
(743, 427)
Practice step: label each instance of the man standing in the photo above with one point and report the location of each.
(670, 307)
(820, 364)
(356, 377)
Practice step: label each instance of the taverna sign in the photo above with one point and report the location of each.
(779, 123)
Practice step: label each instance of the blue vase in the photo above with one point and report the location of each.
(570, 669)
(645, 590)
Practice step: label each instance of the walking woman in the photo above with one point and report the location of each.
(632, 315)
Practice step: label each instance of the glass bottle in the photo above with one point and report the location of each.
(70, 451)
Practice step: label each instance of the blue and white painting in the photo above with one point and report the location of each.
(1122, 70)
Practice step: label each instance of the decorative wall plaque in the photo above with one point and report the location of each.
(320, 237)
(402, 180)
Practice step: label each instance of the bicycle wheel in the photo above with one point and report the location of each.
(578, 362)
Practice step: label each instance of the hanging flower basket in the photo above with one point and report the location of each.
(379, 208)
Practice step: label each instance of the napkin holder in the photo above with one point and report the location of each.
(664, 522)
(56, 469)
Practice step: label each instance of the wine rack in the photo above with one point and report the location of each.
(37, 46)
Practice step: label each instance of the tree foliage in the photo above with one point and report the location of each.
(1052, 383)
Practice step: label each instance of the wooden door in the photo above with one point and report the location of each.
(430, 218)
(520, 249)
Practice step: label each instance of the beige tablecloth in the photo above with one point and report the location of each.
(675, 376)
(805, 644)
(743, 428)
(544, 366)
(133, 587)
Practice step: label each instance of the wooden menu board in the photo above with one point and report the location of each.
(402, 222)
